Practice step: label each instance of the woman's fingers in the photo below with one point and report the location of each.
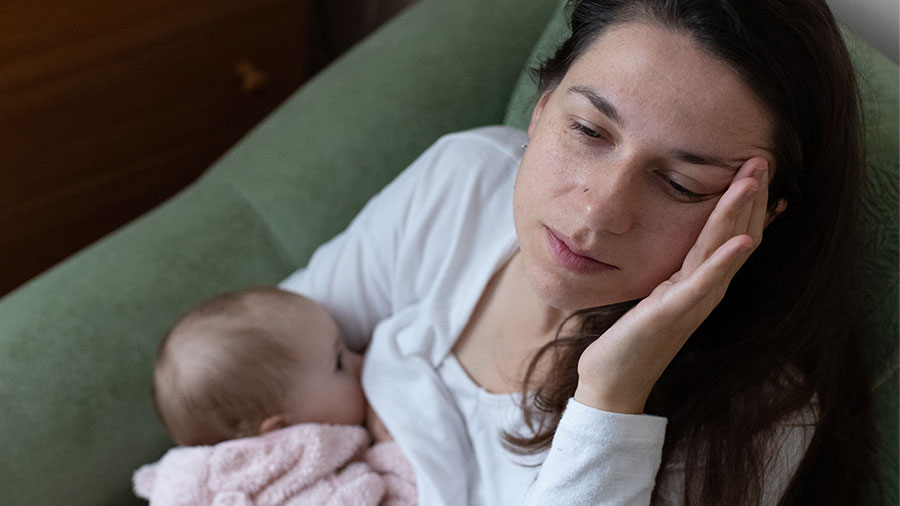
(758, 215)
(745, 213)
(617, 372)
(732, 216)
(712, 278)
(733, 230)
(634, 352)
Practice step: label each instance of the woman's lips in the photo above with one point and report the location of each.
(571, 260)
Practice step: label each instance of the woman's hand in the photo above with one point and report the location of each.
(618, 370)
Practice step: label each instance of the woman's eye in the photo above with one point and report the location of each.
(340, 364)
(685, 193)
(587, 131)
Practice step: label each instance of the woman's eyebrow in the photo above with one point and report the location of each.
(607, 109)
(600, 103)
(698, 159)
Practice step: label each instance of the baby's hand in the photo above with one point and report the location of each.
(376, 428)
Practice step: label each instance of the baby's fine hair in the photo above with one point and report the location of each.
(224, 367)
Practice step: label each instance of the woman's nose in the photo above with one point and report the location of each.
(608, 200)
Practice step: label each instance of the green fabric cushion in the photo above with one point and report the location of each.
(77, 343)
(876, 293)
(525, 94)
(877, 290)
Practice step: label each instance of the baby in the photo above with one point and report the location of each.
(266, 404)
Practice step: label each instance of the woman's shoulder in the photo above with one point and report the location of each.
(480, 160)
(496, 148)
(482, 145)
(487, 139)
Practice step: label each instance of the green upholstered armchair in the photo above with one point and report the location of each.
(77, 343)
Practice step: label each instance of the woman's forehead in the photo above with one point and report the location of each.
(654, 77)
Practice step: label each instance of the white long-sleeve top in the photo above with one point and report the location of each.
(402, 281)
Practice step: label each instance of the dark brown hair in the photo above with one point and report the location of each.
(782, 338)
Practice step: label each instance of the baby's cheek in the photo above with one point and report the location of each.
(357, 402)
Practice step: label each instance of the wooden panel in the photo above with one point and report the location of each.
(109, 107)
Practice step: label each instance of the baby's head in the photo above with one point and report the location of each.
(246, 363)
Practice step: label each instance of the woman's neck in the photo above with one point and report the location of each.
(509, 324)
(528, 317)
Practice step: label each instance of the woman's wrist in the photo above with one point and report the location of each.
(613, 402)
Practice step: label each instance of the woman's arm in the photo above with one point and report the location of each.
(600, 458)
(611, 459)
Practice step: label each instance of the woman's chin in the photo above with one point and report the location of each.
(559, 292)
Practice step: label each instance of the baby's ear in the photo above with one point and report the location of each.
(273, 422)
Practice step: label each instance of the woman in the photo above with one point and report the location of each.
(557, 316)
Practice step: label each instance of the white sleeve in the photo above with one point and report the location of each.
(353, 274)
(600, 458)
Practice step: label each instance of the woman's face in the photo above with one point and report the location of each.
(627, 158)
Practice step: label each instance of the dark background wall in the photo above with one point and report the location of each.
(107, 108)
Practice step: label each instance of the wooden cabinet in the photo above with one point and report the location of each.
(108, 107)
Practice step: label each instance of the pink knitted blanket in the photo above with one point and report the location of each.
(308, 464)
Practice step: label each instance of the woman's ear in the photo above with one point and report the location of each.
(536, 112)
(273, 422)
(780, 206)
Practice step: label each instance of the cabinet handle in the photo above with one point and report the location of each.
(252, 78)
